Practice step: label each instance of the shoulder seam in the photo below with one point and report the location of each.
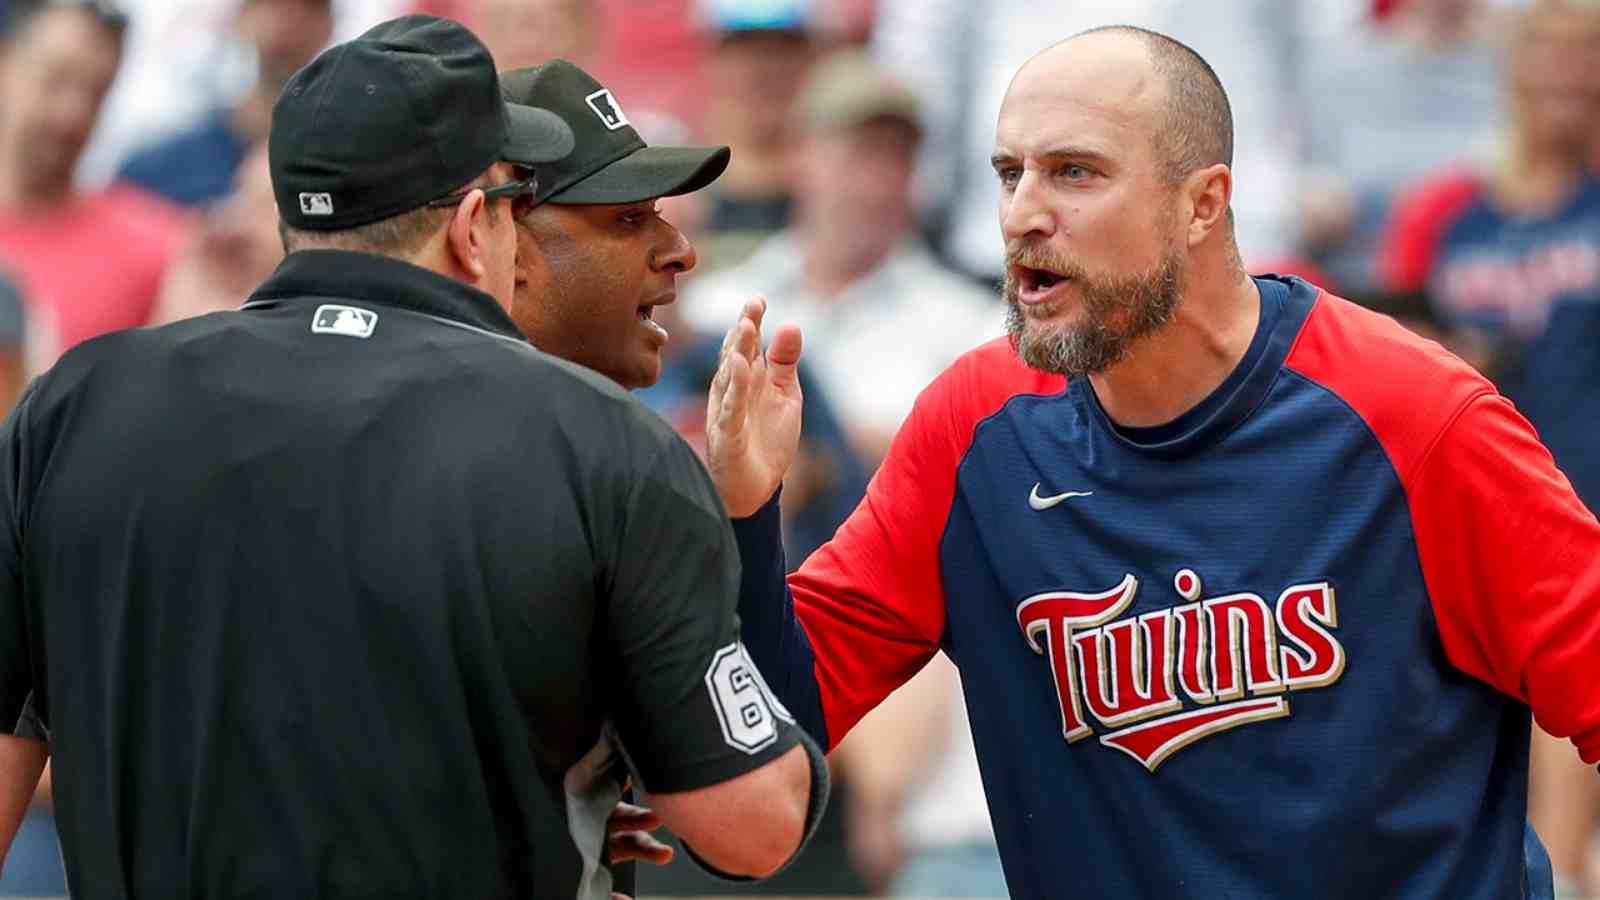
(1305, 326)
(1455, 416)
(972, 441)
(1422, 459)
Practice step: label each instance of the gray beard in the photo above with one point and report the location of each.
(1118, 312)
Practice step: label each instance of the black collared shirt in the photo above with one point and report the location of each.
(353, 593)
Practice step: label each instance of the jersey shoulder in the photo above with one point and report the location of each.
(980, 382)
(1406, 388)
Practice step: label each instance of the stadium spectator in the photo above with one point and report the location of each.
(919, 823)
(1510, 253)
(959, 56)
(521, 33)
(196, 165)
(1421, 84)
(92, 261)
(851, 269)
(13, 372)
(1495, 246)
(655, 53)
(1564, 807)
(234, 249)
(182, 59)
(760, 56)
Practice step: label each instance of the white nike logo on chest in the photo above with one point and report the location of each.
(1038, 502)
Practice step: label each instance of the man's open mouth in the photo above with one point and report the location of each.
(1034, 285)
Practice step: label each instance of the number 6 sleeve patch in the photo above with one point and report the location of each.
(746, 708)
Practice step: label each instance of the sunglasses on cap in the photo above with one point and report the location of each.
(523, 194)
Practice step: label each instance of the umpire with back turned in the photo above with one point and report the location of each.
(352, 592)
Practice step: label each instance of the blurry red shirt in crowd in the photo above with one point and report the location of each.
(1417, 226)
(91, 265)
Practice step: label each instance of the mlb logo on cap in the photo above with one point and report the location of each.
(316, 204)
(349, 321)
(608, 109)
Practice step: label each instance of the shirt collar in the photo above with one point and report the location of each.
(1241, 393)
(345, 275)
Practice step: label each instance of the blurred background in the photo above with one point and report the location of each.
(1434, 159)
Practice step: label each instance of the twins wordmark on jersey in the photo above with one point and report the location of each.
(1233, 656)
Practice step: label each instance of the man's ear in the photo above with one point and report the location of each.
(468, 234)
(1209, 191)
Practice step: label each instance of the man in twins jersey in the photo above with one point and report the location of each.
(1251, 589)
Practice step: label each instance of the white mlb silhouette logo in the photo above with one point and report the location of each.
(607, 108)
(316, 204)
(349, 321)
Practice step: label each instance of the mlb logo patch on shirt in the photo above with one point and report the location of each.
(349, 321)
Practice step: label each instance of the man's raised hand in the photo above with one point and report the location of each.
(753, 412)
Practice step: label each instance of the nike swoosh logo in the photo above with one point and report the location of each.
(1038, 502)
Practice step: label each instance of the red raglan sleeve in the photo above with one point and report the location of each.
(1512, 562)
(872, 600)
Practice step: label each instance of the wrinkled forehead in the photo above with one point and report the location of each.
(1096, 90)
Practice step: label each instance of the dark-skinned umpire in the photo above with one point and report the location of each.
(352, 592)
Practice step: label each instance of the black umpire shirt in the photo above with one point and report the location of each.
(353, 593)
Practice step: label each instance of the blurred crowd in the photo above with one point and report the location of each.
(1436, 159)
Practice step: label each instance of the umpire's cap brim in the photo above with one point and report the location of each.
(647, 173)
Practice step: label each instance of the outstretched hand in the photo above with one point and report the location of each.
(753, 412)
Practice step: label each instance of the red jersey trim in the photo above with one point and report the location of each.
(1509, 555)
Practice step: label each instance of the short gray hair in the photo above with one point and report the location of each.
(1197, 130)
(399, 235)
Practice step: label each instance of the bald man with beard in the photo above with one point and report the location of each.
(1251, 589)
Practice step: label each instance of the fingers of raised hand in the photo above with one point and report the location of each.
(747, 342)
(783, 355)
(735, 395)
(719, 382)
(755, 309)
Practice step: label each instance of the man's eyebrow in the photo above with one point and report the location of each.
(1066, 151)
(1070, 151)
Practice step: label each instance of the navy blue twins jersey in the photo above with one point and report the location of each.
(1284, 646)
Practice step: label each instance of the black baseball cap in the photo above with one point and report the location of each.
(612, 163)
(406, 113)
